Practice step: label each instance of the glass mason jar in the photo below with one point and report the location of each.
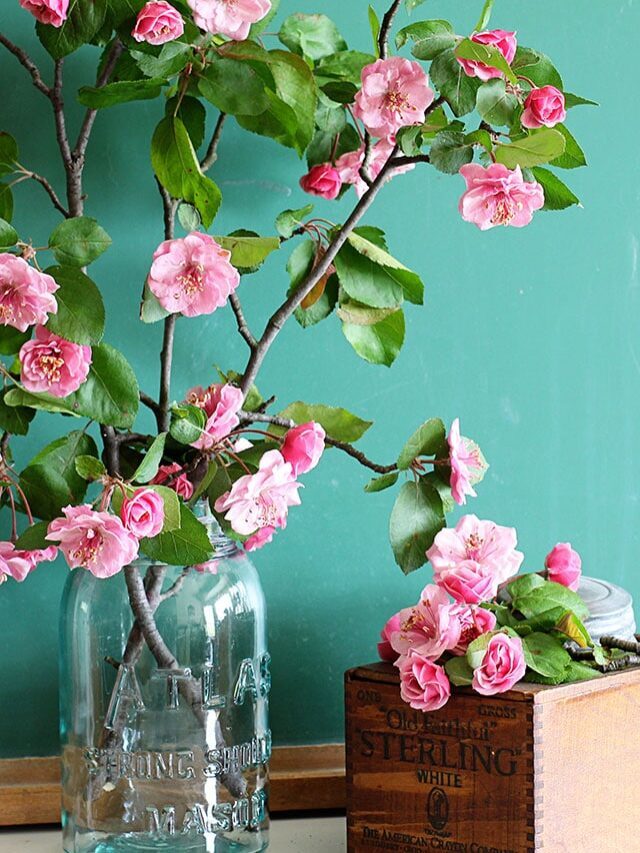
(166, 751)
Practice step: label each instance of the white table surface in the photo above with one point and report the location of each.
(309, 835)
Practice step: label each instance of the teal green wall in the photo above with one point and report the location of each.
(531, 336)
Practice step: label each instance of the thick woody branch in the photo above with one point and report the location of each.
(243, 328)
(212, 151)
(111, 450)
(409, 161)
(385, 28)
(166, 356)
(28, 63)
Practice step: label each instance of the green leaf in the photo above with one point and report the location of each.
(187, 423)
(90, 468)
(537, 67)
(171, 60)
(572, 627)
(262, 25)
(413, 4)
(571, 100)
(14, 419)
(379, 343)
(578, 671)
(346, 65)
(81, 315)
(416, 519)
(477, 650)
(450, 151)
(428, 440)
(8, 235)
(430, 38)
(193, 115)
(189, 217)
(234, 87)
(541, 146)
(557, 195)
(34, 537)
(545, 655)
(79, 241)
(121, 92)
(374, 26)
(487, 54)
(298, 267)
(379, 484)
(172, 514)
(248, 253)
(485, 16)
(459, 672)
(84, 19)
(151, 311)
(495, 105)
(338, 423)
(315, 36)
(453, 84)
(6, 202)
(550, 595)
(290, 220)
(409, 282)
(187, 545)
(524, 584)
(366, 281)
(8, 154)
(148, 468)
(573, 156)
(177, 168)
(12, 339)
(363, 315)
(330, 117)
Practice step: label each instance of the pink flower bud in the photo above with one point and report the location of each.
(53, 12)
(502, 666)
(544, 107)
(564, 566)
(322, 180)
(143, 513)
(303, 447)
(503, 40)
(180, 484)
(423, 684)
(157, 23)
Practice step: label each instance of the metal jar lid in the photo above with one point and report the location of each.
(610, 609)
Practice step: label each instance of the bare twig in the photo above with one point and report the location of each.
(385, 28)
(90, 115)
(608, 642)
(112, 455)
(212, 151)
(149, 402)
(49, 190)
(58, 110)
(28, 63)
(166, 356)
(176, 586)
(243, 328)
(396, 162)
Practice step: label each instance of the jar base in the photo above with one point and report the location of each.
(136, 842)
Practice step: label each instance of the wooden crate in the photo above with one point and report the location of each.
(553, 769)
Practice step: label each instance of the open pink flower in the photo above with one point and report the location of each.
(18, 564)
(385, 649)
(50, 363)
(303, 447)
(322, 180)
(423, 684)
(97, 541)
(232, 18)
(53, 12)
(349, 165)
(395, 93)
(474, 621)
(143, 513)
(503, 666)
(157, 23)
(192, 275)
(496, 195)
(469, 582)
(564, 566)
(260, 538)
(26, 295)
(262, 499)
(466, 464)
(544, 107)
(221, 404)
(180, 484)
(428, 629)
(503, 40)
(481, 548)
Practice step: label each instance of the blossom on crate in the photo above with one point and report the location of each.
(474, 621)
(143, 513)
(260, 538)
(496, 195)
(157, 23)
(322, 180)
(503, 665)
(349, 164)
(303, 446)
(52, 364)
(26, 294)
(53, 12)
(261, 500)
(96, 541)
(467, 464)
(174, 477)
(221, 404)
(471, 560)
(423, 684)
(430, 628)
(385, 649)
(17, 564)
(395, 93)
(503, 40)
(232, 18)
(192, 275)
(564, 566)
(544, 107)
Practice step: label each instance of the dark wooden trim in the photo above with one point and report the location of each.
(302, 778)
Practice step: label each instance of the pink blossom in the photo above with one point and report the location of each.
(496, 195)
(18, 564)
(502, 666)
(504, 41)
(385, 649)
(475, 556)
(180, 484)
(50, 363)
(349, 164)
(395, 93)
(26, 295)
(474, 621)
(143, 513)
(322, 180)
(262, 499)
(221, 404)
(428, 629)
(466, 464)
(157, 23)
(232, 18)
(192, 275)
(423, 684)
(97, 541)
(260, 538)
(53, 12)
(564, 566)
(544, 107)
(303, 447)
